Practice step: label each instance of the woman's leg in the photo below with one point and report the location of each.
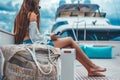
(81, 57)
(67, 43)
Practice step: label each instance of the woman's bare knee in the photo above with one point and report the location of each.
(70, 39)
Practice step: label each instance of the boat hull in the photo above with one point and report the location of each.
(6, 38)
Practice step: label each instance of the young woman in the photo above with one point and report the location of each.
(29, 12)
(26, 29)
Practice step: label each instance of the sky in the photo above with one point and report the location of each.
(10, 8)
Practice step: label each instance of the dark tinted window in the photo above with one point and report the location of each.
(69, 33)
(58, 24)
(94, 35)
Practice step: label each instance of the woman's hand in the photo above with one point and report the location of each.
(54, 37)
(33, 17)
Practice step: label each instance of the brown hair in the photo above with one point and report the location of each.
(21, 22)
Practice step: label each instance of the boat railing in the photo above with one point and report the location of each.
(73, 30)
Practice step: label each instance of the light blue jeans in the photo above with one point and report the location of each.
(30, 42)
(26, 42)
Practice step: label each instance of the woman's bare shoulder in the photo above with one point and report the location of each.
(32, 16)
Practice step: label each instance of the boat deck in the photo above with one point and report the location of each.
(112, 73)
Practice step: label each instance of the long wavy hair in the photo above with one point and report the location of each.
(21, 23)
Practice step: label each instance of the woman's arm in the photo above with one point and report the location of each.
(34, 33)
(54, 37)
(32, 16)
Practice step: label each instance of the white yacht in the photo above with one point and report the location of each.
(93, 32)
(87, 26)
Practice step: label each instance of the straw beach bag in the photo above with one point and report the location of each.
(30, 62)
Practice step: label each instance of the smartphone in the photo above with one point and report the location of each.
(58, 33)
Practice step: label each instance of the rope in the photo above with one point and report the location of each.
(37, 63)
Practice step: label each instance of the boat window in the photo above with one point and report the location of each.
(103, 35)
(94, 35)
(114, 35)
(82, 14)
(58, 24)
(69, 33)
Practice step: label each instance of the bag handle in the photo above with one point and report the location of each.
(37, 63)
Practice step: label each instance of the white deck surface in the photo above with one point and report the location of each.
(112, 73)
